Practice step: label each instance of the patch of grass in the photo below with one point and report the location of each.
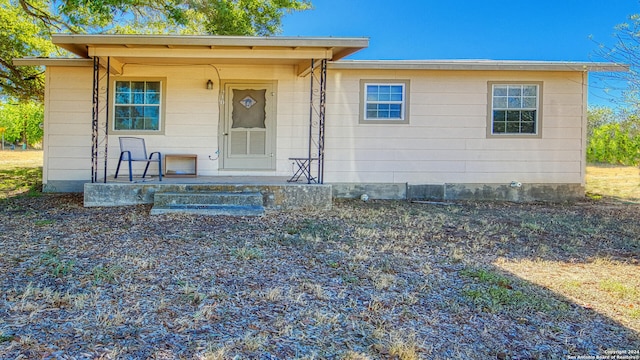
(383, 281)
(59, 267)
(333, 264)
(316, 230)
(395, 345)
(105, 274)
(20, 173)
(607, 286)
(274, 294)
(618, 289)
(5, 337)
(350, 279)
(192, 295)
(486, 276)
(533, 226)
(493, 292)
(494, 298)
(621, 182)
(252, 342)
(20, 181)
(352, 355)
(248, 253)
(43, 222)
(315, 289)
(214, 353)
(13, 159)
(290, 240)
(593, 196)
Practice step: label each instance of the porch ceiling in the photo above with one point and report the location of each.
(197, 50)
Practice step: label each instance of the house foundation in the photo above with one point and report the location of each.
(515, 192)
(274, 196)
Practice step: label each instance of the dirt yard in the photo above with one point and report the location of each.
(366, 280)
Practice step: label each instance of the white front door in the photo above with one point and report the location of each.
(249, 140)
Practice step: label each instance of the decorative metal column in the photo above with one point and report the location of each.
(100, 119)
(318, 95)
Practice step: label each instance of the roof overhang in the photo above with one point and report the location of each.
(486, 65)
(194, 50)
(36, 61)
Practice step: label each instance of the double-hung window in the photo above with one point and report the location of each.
(515, 109)
(384, 101)
(137, 106)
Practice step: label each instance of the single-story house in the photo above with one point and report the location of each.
(270, 106)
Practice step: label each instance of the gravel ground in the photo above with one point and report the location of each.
(372, 280)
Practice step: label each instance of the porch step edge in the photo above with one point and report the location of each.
(168, 199)
(209, 209)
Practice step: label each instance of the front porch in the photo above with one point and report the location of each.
(277, 193)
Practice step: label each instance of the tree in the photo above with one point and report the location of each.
(22, 36)
(626, 50)
(598, 116)
(613, 136)
(22, 122)
(219, 17)
(26, 26)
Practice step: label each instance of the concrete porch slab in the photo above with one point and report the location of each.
(277, 194)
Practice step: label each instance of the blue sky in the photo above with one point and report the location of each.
(557, 30)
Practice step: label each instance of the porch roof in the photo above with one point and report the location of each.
(191, 49)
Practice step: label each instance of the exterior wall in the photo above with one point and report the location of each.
(446, 139)
(444, 143)
(191, 122)
(67, 128)
(193, 113)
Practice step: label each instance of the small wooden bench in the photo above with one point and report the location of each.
(168, 158)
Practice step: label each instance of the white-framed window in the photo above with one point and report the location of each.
(515, 109)
(384, 101)
(137, 106)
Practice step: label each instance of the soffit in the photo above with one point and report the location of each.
(205, 49)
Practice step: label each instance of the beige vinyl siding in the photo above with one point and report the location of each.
(446, 138)
(67, 124)
(191, 120)
(192, 112)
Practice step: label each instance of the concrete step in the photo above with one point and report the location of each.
(201, 197)
(209, 209)
(209, 203)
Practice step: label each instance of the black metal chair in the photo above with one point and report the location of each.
(134, 149)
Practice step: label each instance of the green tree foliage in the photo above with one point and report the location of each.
(598, 116)
(22, 36)
(244, 17)
(613, 138)
(22, 122)
(219, 17)
(26, 26)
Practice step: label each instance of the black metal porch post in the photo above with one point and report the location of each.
(311, 112)
(95, 121)
(321, 120)
(317, 100)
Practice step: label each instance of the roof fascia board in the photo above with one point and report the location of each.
(52, 62)
(216, 53)
(78, 44)
(478, 65)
